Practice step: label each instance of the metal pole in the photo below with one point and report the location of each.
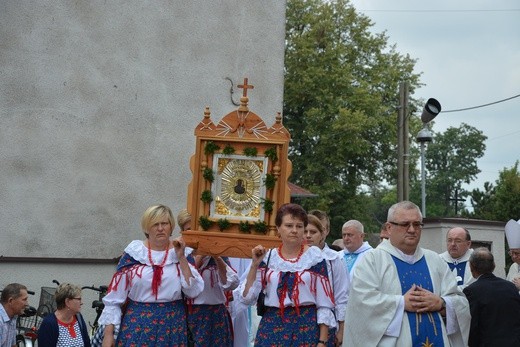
(406, 144)
(402, 144)
(423, 180)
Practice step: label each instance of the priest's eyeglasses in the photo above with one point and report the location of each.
(406, 225)
(514, 253)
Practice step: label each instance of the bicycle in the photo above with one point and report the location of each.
(27, 325)
(98, 305)
(47, 303)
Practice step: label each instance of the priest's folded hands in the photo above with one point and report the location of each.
(418, 299)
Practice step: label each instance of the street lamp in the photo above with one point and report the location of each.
(430, 111)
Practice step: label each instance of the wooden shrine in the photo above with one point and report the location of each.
(240, 170)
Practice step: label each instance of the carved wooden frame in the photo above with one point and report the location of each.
(240, 134)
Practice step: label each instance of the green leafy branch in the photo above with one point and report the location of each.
(268, 205)
(271, 154)
(208, 175)
(205, 223)
(244, 227)
(223, 224)
(260, 226)
(206, 197)
(228, 150)
(250, 151)
(211, 147)
(269, 181)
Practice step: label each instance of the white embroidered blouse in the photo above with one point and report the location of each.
(313, 288)
(135, 282)
(213, 293)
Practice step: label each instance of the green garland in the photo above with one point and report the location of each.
(271, 154)
(208, 175)
(269, 181)
(250, 151)
(205, 223)
(260, 226)
(223, 224)
(206, 197)
(210, 148)
(228, 150)
(268, 205)
(244, 227)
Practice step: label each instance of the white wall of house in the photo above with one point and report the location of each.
(98, 103)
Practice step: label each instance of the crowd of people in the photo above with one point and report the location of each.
(307, 292)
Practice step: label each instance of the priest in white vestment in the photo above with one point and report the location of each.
(353, 235)
(401, 294)
(513, 241)
(458, 251)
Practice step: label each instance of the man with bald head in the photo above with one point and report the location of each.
(458, 245)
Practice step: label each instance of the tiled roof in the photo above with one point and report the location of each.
(299, 192)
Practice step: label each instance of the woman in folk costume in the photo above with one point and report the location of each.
(513, 241)
(208, 318)
(150, 279)
(298, 295)
(338, 275)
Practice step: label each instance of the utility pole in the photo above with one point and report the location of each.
(403, 145)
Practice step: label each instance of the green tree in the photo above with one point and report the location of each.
(451, 160)
(340, 104)
(483, 202)
(499, 202)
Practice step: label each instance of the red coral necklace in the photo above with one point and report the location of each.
(291, 260)
(157, 270)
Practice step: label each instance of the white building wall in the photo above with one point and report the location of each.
(98, 102)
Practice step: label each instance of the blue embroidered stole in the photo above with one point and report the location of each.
(460, 268)
(125, 261)
(350, 260)
(425, 328)
(288, 280)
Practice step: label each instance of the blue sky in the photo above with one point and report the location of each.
(469, 54)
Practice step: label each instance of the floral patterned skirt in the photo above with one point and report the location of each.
(291, 330)
(210, 325)
(153, 325)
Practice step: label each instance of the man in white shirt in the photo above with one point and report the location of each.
(14, 300)
(458, 245)
(353, 235)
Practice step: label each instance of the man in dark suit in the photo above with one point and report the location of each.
(494, 304)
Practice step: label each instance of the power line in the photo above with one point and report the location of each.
(509, 134)
(414, 11)
(488, 104)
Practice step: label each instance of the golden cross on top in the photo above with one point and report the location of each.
(245, 86)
